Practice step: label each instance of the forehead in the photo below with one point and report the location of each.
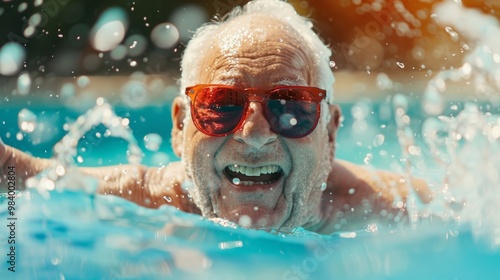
(257, 51)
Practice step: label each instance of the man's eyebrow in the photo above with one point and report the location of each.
(289, 82)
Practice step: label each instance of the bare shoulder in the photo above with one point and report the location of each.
(356, 195)
(385, 183)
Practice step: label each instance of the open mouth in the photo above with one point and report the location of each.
(248, 176)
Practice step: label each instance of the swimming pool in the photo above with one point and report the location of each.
(76, 235)
(72, 234)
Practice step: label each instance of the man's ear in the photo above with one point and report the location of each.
(178, 114)
(334, 123)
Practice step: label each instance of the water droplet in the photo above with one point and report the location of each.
(119, 52)
(22, 7)
(167, 198)
(368, 158)
(109, 29)
(60, 170)
(24, 84)
(134, 94)
(26, 121)
(83, 81)
(236, 181)
(378, 140)
(153, 141)
(453, 34)
(352, 191)
(245, 221)
(332, 64)
(400, 64)
(256, 208)
(136, 44)
(165, 35)
(35, 19)
(11, 58)
(323, 186)
(384, 82)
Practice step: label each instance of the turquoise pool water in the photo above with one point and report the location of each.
(74, 235)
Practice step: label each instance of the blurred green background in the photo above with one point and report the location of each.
(364, 34)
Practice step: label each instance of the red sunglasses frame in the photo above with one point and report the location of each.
(255, 95)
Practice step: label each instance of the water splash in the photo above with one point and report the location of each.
(62, 174)
(466, 146)
(481, 64)
(411, 154)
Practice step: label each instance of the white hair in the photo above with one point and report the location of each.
(276, 9)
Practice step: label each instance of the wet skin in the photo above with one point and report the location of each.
(255, 52)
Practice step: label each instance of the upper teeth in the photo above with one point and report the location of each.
(254, 171)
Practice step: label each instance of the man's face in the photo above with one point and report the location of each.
(258, 52)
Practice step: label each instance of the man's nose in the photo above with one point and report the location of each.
(255, 131)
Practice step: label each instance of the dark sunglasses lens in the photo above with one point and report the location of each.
(217, 111)
(292, 112)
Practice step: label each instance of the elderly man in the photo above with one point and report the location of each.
(255, 126)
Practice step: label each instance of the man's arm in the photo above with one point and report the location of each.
(356, 195)
(149, 187)
(24, 166)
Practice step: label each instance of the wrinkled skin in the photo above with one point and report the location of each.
(258, 52)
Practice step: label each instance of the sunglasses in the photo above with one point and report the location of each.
(291, 111)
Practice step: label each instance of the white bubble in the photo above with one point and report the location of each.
(134, 94)
(119, 52)
(22, 7)
(26, 120)
(29, 31)
(153, 141)
(11, 58)
(83, 81)
(60, 170)
(245, 221)
(160, 159)
(24, 84)
(165, 35)
(109, 30)
(188, 18)
(236, 181)
(378, 140)
(384, 82)
(68, 90)
(35, 19)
